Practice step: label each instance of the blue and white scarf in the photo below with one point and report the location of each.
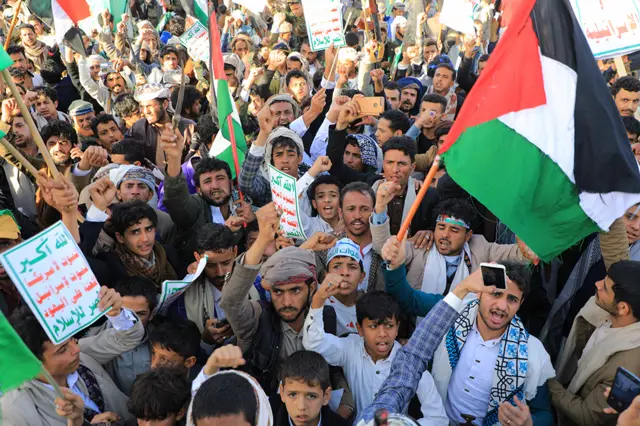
(512, 363)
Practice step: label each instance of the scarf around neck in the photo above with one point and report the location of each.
(511, 367)
(36, 52)
(160, 271)
(434, 279)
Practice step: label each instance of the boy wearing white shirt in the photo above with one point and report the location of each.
(366, 358)
(345, 260)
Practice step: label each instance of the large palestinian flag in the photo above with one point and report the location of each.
(197, 9)
(539, 140)
(229, 144)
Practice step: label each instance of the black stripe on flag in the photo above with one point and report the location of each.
(603, 161)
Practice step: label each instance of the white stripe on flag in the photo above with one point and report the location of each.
(234, 115)
(61, 21)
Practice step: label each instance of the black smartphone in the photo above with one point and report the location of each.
(626, 386)
(221, 323)
(494, 274)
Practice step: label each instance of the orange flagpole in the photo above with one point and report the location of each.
(14, 21)
(419, 196)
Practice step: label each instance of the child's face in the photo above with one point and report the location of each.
(378, 338)
(303, 402)
(163, 357)
(349, 270)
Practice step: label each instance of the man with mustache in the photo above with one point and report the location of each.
(201, 302)
(113, 80)
(396, 193)
(456, 254)
(411, 90)
(215, 201)
(626, 94)
(269, 332)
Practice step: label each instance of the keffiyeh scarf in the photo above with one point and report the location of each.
(511, 365)
(368, 149)
(160, 271)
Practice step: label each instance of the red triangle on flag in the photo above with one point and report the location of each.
(77, 10)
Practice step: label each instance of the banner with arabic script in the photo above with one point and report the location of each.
(285, 198)
(55, 280)
(612, 27)
(324, 23)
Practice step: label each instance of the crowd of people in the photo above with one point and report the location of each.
(343, 327)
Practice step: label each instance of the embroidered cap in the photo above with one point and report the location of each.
(80, 107)
(152, 91)
(345, 247)
(9, 229)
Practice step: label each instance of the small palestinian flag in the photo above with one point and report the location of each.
(197, 9)
(229, 145)
(539, 140)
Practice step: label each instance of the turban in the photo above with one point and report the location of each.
(289, 265)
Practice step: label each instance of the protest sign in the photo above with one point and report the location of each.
(172, 289)
(196, 40)
(285, 198)
(324, 23)
(612, 28)
(458, 14)
(55, 280)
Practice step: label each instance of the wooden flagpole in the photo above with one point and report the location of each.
(14, 21)
(26, 114)
(419, 196)
(18, 156)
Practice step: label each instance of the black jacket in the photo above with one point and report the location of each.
(335, 150)
(262, 355)
(281, 416)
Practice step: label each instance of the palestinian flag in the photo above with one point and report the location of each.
(229, 144)
(539, 140)
(18, 364)
(197, 9)
(65, 14)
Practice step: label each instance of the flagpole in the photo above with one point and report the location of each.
(32, 126)
(18, 156)
(14, 21)
(52, 382)
(214, 99)
(419, 196)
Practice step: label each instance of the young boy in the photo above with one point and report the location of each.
(366, 357)
(324, 193)
(345, 259)
(304, 393)
(175, 343)
(160, 396)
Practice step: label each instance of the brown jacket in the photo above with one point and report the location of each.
(586, 407)
(481, 251)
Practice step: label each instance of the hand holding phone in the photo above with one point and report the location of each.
(626, 386)
(370, 106)
(494, 274)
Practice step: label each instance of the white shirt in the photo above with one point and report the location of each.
(366, 262)
(596, 337)
(310, 224)
(365, 377)
(472, 379)
(345, 316)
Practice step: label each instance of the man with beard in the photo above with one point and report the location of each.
(106, 129)
(12, 119)
(605, 336)
(35, 50)
(108, 86)
(444, 85)
(396, 193)
(19, 58)
(128, 183)
(47, 107)
(215, 201)
(269, 332)
(82, 113)
(410, 91)
(154, 103)
(626, 94)
(127, 109)
(201, 302)
(391, 123)
(455, 254)
(310, 56)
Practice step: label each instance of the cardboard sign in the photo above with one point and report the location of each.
(612, 28)
(324, 23)
(172, 289)
(196, 40)
(285, 197)
(54, 279)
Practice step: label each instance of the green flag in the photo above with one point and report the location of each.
(5, 59)
(18, 364)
